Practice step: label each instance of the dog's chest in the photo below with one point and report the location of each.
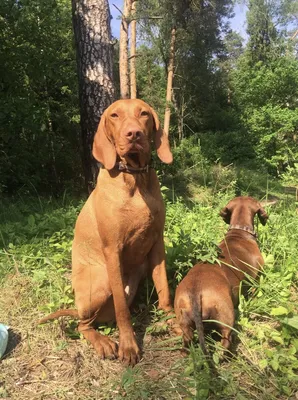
(144, 222)
(143, 216)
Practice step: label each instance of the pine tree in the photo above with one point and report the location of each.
(91, 21)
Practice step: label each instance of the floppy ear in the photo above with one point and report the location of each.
(161, 141)
(225, 213)
(263, 216)
(103, 149)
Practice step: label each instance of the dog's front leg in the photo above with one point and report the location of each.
(159, 275)
(129, 351)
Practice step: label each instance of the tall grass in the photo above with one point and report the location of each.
(36, 235)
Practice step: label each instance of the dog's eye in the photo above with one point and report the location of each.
(144, 114)
(114, 115)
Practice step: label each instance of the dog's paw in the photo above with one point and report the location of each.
(171, 319)
(129, 352)
(106, 348)
(175, 328)
(167, 308)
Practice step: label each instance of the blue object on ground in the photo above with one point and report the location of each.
(3, 339)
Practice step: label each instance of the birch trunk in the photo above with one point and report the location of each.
(123, 51)
(133, 43)
(170, 81)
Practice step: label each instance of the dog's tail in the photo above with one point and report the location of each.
(197, 315)
(60, 313)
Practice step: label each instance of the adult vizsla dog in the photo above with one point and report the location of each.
(211, 291)
(119, 232)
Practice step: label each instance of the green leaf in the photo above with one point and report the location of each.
(215, 357)
(292, 321)
(269, 353)
(31, 220)
(295, 343)
(292, 350)
(277, 338)
(269, 260)
(274, 364)
(263, 363)
(279, 311)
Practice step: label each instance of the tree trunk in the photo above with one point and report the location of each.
(123, 51)
(170, 81)
(91, 22)
(179, 109)
(133, 42)
(294, 35)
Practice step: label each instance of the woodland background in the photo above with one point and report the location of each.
(233, 131)
(232, 101)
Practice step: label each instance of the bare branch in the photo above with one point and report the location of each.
(119, 10)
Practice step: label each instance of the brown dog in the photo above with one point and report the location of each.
(211, 291)
(119, 232)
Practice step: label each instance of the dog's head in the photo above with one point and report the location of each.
(242, 210)
(126, 129)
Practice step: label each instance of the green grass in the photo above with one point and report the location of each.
(35, 241)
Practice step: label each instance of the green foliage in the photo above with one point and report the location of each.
(290, 177)
(151, 78)
(38, 244)
(276, 128)
(188, 155)
(191, 238)
(261, 29)
(38, 101)
(266, 96)
(241, 100)
(232, 106)
(36, 239)
(198, 376)
(191, 168)
(227, 147)
(197, 87)
(265, 85)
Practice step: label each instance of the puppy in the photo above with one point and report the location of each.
(211, 291)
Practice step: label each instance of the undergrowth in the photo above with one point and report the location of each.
(35, 239)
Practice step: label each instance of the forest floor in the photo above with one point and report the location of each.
(52, 361)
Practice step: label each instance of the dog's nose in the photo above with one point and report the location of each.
(133, 135)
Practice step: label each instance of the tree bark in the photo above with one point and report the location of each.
(180, 115)
(133, 43)
(91, 23)
(123, 51)
(170, 81)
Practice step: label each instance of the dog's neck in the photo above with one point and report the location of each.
(244, 228)
(242, 221)
(141, 181)
(123, 167)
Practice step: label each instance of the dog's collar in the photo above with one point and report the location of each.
(121, 166)
(243, 228)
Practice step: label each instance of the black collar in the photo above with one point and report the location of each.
(243, 228)
(122, 167)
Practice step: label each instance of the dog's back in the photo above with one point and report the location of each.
(240, 258)
(214, 288)
(204, 294)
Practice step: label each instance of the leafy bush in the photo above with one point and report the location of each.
(266, 95)
(227, 146)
